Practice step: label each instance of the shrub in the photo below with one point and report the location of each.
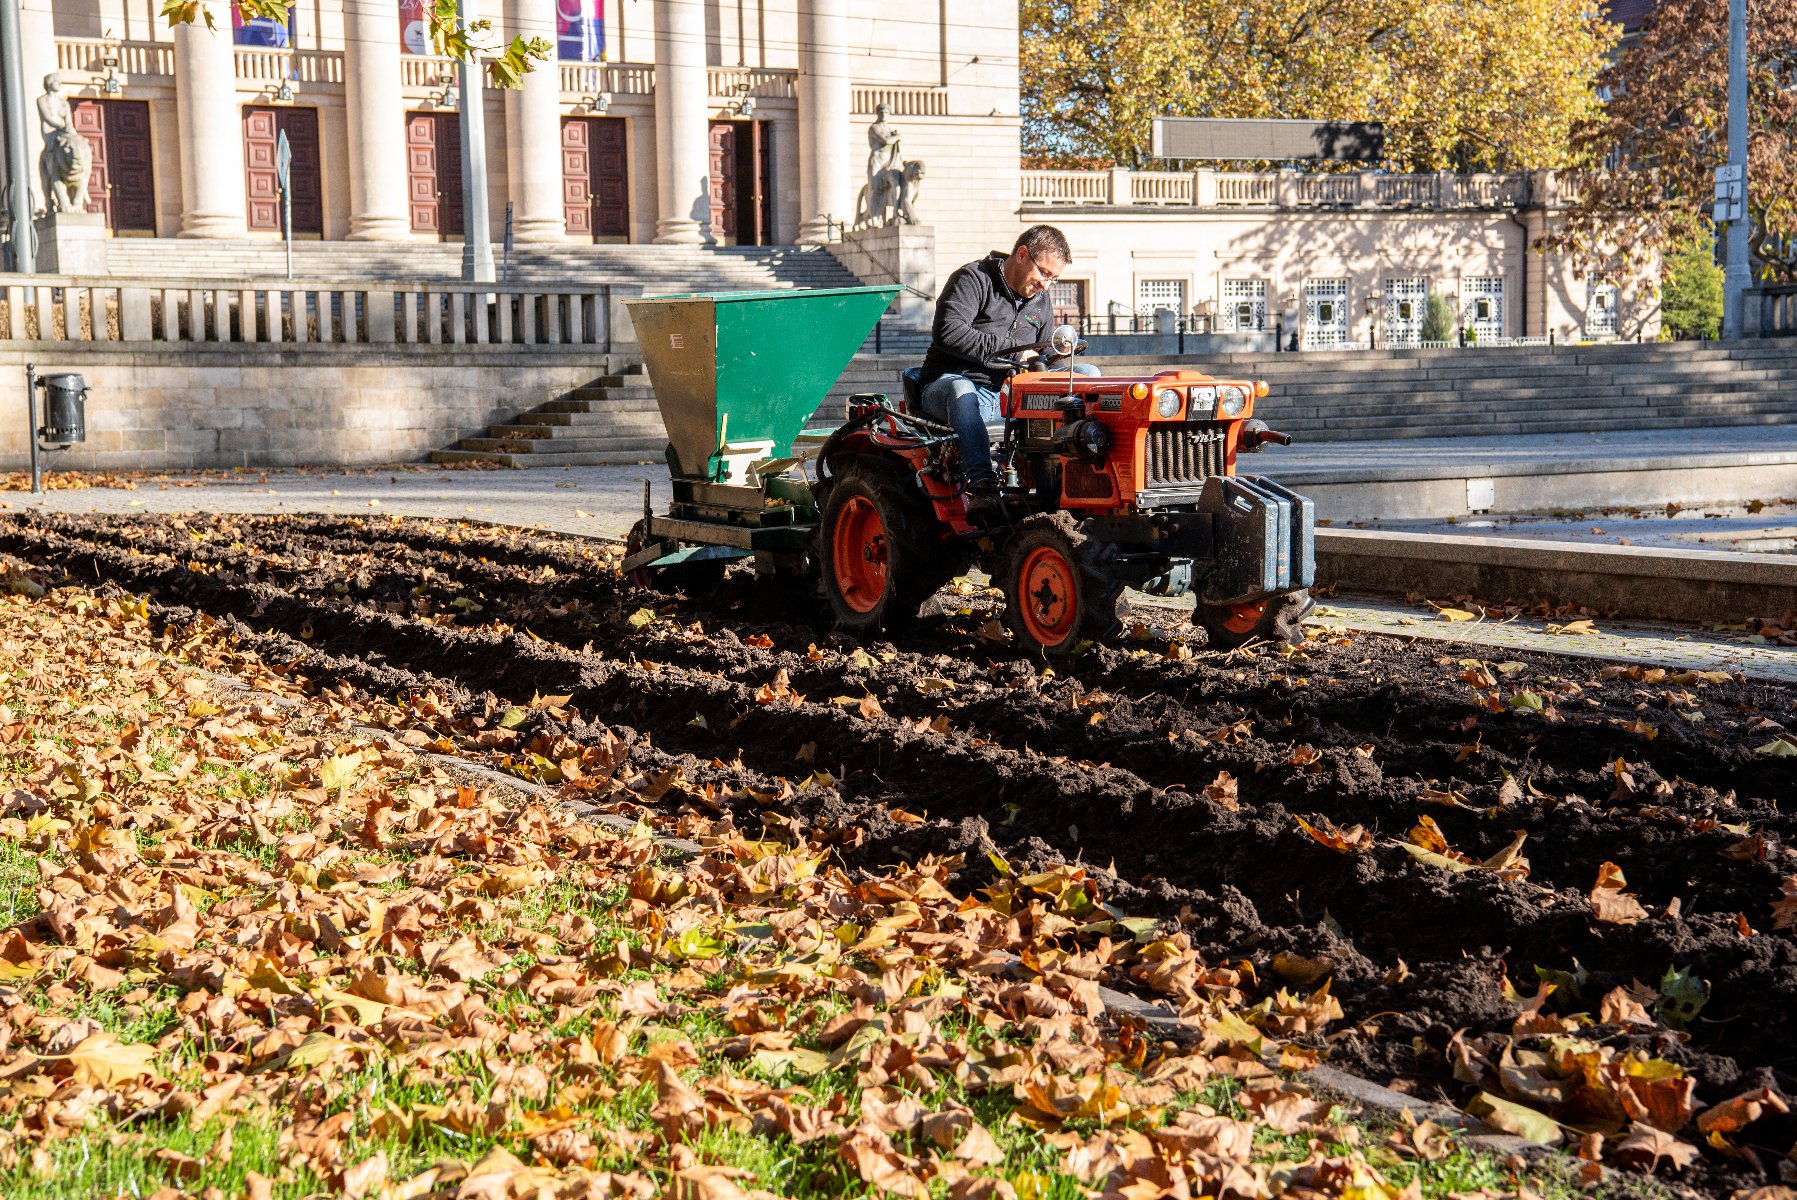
(1691, 290)
(1438, 321)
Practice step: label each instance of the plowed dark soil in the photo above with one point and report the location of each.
(1106, 760)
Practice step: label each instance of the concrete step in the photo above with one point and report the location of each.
(558, 423)
(592, 459)
(564, 445)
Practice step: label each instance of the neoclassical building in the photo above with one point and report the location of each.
(746, 122)
(673, 121)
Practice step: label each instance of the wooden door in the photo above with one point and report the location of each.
(742, 183)
(434, 173)
(262, 129)
(726, 209)
(122, 184)
(595, 178)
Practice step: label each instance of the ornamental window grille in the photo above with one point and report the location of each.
(1406, 305)
(1152, 295)
(1244, 307)
(1482, 305)
(1325, 313)
(1600, 311)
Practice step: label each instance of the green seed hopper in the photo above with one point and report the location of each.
(736, 376)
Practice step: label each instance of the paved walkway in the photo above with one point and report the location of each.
(1439, 458)
(604, 501)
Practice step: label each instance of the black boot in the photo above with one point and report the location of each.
(985, 507)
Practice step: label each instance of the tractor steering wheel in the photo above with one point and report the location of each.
(1012, 358)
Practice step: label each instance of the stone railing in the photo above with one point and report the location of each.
(618, 79)
(1289, 189)
(134, 58)
(1771, 311)
(764, 83)
(40, 308)
(902, 101)
(258, 65)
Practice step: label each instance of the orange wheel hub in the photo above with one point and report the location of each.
(858, 554)
(1047, 595)
(1243, 618)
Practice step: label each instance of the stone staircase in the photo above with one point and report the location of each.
(656, 269)
(1363, 396)
(613, 419)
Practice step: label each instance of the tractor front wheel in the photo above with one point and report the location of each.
(1057, 592)
(875, 549)
(1275, 619)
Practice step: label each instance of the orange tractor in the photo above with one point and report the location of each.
(1106, 483)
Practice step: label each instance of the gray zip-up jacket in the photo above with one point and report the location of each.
(977, 315)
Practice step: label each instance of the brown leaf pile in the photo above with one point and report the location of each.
(414, 986)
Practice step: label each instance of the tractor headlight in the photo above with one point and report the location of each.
(1167, 401)
(1232, 400)
(1204, 402)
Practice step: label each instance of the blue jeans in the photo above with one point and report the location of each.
(967, 407)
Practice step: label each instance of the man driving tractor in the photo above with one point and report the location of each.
(989, 306)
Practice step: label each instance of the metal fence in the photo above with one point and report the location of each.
(39, 308)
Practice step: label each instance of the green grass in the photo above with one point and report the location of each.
(98, 1163)
(18, 881)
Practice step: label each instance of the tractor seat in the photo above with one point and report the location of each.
(912, 378)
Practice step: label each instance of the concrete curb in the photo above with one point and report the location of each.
(1647, 582)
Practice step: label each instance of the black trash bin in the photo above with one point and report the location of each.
(65, 409)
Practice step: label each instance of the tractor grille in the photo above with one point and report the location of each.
(1184, 453)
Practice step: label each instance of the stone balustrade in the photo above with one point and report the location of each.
(41, 308)
(1771, 311)
(1209, 189)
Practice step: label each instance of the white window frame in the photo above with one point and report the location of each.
(1401, 290)
(1482, 305)
(1239, 298)
(1328, 322)
(1145, 285)
(1603, 311)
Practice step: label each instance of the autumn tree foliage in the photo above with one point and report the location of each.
(1665, 131)
(1459, 84)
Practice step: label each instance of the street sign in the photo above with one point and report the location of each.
(283, 159)
(283, 174)
(1730, 202)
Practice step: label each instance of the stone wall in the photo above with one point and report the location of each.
(154, 407)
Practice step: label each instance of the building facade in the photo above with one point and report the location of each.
(1328, 261)
(747, 122)
(674, 121)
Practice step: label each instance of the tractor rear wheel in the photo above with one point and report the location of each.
(879, 548)
(693, 578)
(1275, 619)
(1058, 592)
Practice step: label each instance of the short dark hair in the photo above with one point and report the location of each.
(1044, 239)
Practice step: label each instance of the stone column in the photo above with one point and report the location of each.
(682, 125)
(826, 168)
(377, 122)
(37, 41)
(533, 131)
(211, 127)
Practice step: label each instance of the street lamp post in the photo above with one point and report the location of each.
(12, 113)
(1738, 274)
